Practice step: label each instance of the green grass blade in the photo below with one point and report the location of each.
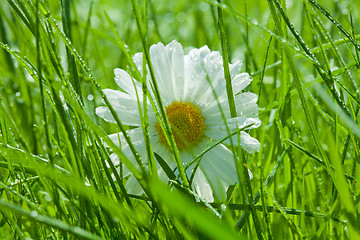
(33, 215)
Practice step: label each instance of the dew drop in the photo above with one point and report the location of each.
(48, 198)
(90, 97)
(34, 213)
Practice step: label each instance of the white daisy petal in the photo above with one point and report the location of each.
(195, 78)
(246, 104)
(220, 162)
(125, 82)
(235, 68)
(220, 130)
(168, 65)
(202, 187)
(117, 138)
(248, 143)
(249, 110)
(126, 117)
(214, 112)
(240, 81)
(213, 80)
(175, 55)
(247, 97)
(213, 66)
(133, 186)
(241, 122)
(137, 140)
(186, 156)
(217, 185)
(120, 99)
(138, 60)
(116, 161)
(135, 135)
(105, 114)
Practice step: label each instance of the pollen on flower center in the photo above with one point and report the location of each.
(187, 125)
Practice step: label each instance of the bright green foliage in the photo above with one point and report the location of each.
(57, 180)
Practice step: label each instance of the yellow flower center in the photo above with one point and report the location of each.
(187, 125)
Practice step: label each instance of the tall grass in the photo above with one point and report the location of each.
(57, 180)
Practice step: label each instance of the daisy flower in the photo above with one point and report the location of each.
(192, 89)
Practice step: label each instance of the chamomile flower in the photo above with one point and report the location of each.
(192, 89)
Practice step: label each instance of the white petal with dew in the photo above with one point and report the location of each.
(246, 97)
(134, 134)
(246, 105)
(126, 117)
(202, 187)
(115, 159)
(175, 55)
(138, 60)
(220, 162)
(235, 68)
(133, 186)
(125, 82)
(104, 113)
(242, 122)
(213, 65)
(248, 143)
(186, 156)
(195, 79)
(213, 113)
(212, 80)
(240, 81)
(217, 185)
(121, 100)
(220, 130)
(137, 139)
(168, 65)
